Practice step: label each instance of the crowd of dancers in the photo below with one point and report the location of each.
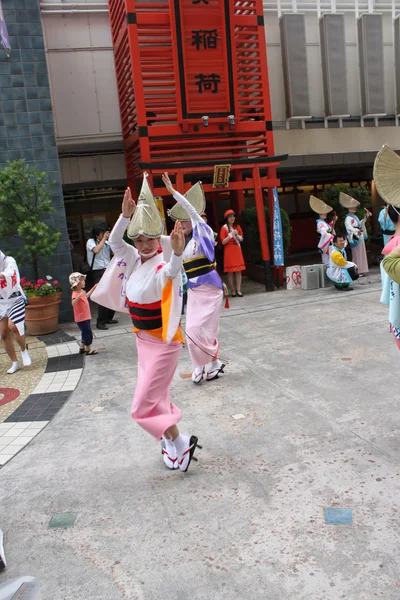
(148, 280)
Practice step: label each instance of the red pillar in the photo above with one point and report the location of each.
(239, 194)
(262, 226)
(215, 211)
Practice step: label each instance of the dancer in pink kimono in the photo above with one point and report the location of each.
(205, 288)
(151, 290)
(356, 232)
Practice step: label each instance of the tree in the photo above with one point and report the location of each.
(24, 201)
(252, 243)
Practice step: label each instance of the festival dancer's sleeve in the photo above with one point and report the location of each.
(166, 247)
(348, 223)
(202, 232)
(391, 265)
(339, 260)
(10, 283)
(169, 278)
(240, 234)
(326, 236)
(116, 239)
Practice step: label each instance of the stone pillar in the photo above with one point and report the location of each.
(27, 123)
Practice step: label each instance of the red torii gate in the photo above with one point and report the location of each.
(193, 91)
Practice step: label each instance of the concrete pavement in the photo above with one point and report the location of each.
(314, 375)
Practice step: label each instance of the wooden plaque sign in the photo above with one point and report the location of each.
(221, 176)
(201, 32)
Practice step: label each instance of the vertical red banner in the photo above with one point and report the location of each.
(202, 36)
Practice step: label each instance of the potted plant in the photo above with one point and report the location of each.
(25, 201)
(44, 297)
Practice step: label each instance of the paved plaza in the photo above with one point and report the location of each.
(305, 419)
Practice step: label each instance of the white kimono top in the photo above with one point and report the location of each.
(136, 287)
(355, 229)
(338, 265)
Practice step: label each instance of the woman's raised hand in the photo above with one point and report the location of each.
(128, 204)
(167, 183)
(177, 239)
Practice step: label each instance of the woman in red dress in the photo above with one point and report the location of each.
(231, 236)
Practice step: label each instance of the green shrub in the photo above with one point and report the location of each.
(252, 243)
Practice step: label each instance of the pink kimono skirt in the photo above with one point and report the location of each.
(202, 323)
(157, 362)
(359, 256)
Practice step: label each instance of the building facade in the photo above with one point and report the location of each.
(334, 85)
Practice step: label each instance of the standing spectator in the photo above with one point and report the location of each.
(231, 236)
(82, 313)
(98, 258)
(387, 225)
(12, 312)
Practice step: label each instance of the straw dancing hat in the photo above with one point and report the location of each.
(196, 198)
(146, 218)
(387, 175)
(347, 201)
(319, 206)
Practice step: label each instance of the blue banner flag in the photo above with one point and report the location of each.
(4, 39)
(279, 256)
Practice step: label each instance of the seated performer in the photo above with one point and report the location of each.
(325, 228)
(387, 180)
(356, 232)
(205, 293)
(141, 282)
(340, 271)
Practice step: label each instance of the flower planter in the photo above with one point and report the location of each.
(42, 314)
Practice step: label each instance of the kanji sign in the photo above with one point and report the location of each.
(221, 176)
(202, 42)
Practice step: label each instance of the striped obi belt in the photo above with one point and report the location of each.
(146, 316)
(195, 267)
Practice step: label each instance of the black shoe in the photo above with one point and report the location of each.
(112, 322)
(101, 327)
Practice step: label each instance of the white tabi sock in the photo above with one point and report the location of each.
(14, 367)
(170, 454)
(26, 359)
(197, 375)
(182, 443)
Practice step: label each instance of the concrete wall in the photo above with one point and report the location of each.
(26, 120)
(82, 78)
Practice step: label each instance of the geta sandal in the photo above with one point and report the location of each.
(91, 352)
(193, 444)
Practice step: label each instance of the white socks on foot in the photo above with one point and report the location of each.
(26, 359)
(198, 374)
(170, 454)
(16, 366)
